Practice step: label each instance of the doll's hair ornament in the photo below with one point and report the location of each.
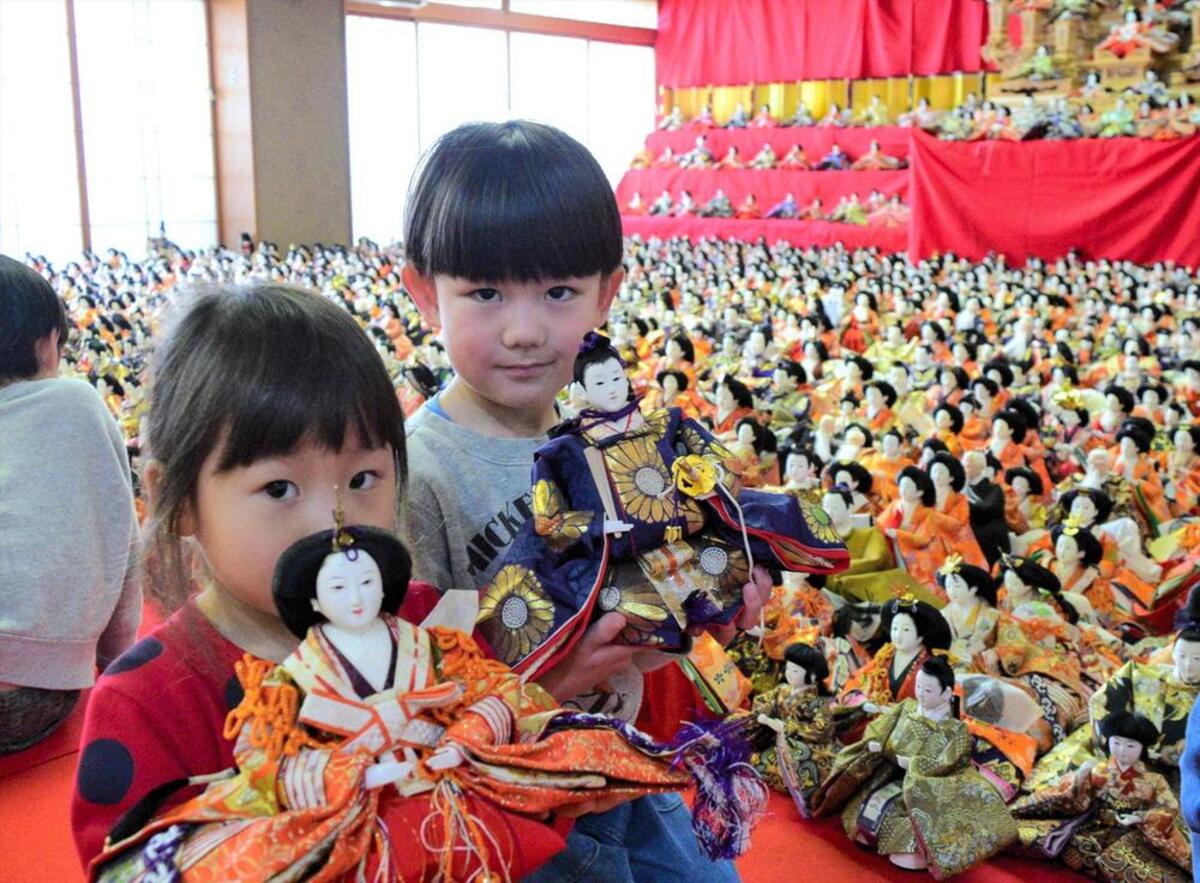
(951, 566)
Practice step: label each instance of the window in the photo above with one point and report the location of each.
(631, 13)
(550, 81)
(39, 178)
(621, 103)
(381, 76)
(146, 110)
(463, 77)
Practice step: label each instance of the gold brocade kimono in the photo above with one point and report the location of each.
(939, 806)
(806, 748)
(1073, 818)
(1149, 690)
(298, 805)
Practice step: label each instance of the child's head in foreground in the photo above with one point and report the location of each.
(513, 245)
(269, 408)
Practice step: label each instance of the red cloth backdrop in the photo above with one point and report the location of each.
(816, 141)
(805, 233)
(1121, 198)
(733, 42)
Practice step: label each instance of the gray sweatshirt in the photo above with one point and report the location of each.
(69, 597)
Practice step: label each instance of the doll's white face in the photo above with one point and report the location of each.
(670, 386)
(1125, 752)
(1069, 418)
(942, 420)
(958, 591)
(1183, 441)
(1016, 587)
(1099, 462)
(798, 468)
(874, 397)
(835, 507)
(1084, 510)
(1186, 655)
(940, 475)
(949, 381)
(605, 385)
(1000, 430)
(1066, 549)
(724, 398)
(1129, 448)
(349, 590)
(674, 350)
(745, 435)
(796, 676)
(855, 438)
(931, 696)
(904, 633)
(1020, 487)
(891, 445)
(909, 492)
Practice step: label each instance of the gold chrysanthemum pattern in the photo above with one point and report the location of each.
(515, 615)
(642, 480)
(818, 521)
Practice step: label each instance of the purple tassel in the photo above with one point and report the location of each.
(699, 609)
(730, 795)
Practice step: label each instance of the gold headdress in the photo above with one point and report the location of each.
(1072, 525)
(342, 538)
(952, 565)
(1069, 398)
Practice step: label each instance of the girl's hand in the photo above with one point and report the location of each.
(755, 595)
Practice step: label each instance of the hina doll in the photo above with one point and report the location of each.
(642, 515)
(731, 160)
(948, 423)
(764, 119)
(1163, 694)
(875, 113)
(1134, 34)
(1139, 469)
(916, 631)
(885, 465)
(951, 516)
(1023, 510)
(875, 160)
(1181, 473)
(787, 401)
(860, 328)
(836, 160)
(374, 728)
(970, 611)
(892, 213)
(755, 449)
(872, 574)
(800, 721)
(764, 159)
(795, 159)
(908, 788)
(1076, 563)
(1114, 820)
(908, 525)
(748, 210)
(734, 403)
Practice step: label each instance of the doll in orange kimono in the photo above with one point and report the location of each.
(1181, 472)
(908, 525)
(948, 423)
(951, 518)
(1076, 563)
(976, 429)
(860, 328)
(1134, 463)
(735, 402)
(879, 404)
(886, 464)
(375, 729)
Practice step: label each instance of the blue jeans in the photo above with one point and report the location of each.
(648, 840)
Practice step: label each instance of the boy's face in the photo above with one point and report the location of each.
(513, 344)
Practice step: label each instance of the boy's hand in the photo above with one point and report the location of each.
(598, 655)
(755, 595)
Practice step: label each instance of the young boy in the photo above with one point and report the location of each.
(514, 249)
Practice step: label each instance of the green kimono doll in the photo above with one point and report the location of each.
(909, 790)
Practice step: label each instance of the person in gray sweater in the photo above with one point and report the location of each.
(69, 597)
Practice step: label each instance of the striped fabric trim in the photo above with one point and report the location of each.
(498, 717)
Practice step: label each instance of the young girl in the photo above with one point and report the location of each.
(269, 409)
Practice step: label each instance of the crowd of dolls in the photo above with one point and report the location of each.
(1147, 109)
(850, 209)
(1008, 454)
(795, 159)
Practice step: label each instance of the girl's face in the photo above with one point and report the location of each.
(606, 386)
(244, 518)
(513, 344)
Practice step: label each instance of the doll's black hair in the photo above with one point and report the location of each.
(681, 379)
(931, 625)
(987, 383)
(977, 578)
(958, 475)
(516, 200)
(937, 667)
(1135, 430)
(294, 584)
(1036, 486)
(685, 345)
(1029, 413)
(1102, 501)
(861, 480)
(868, 438)
(596, 349)
(956, 416)
(844, 492)
(961, 381)
(865, 368)
(813, 662)
(861, 612)
(1124, 397)
(1090, 550)
(1016, 423)
(886, 390)
(29, 311)
(822, 350)
(1001, 368)
(740, 392)
(938, 331)
(764, 440)
(800, 450)
(794, 370)
(1129, 725)
(921, 479)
